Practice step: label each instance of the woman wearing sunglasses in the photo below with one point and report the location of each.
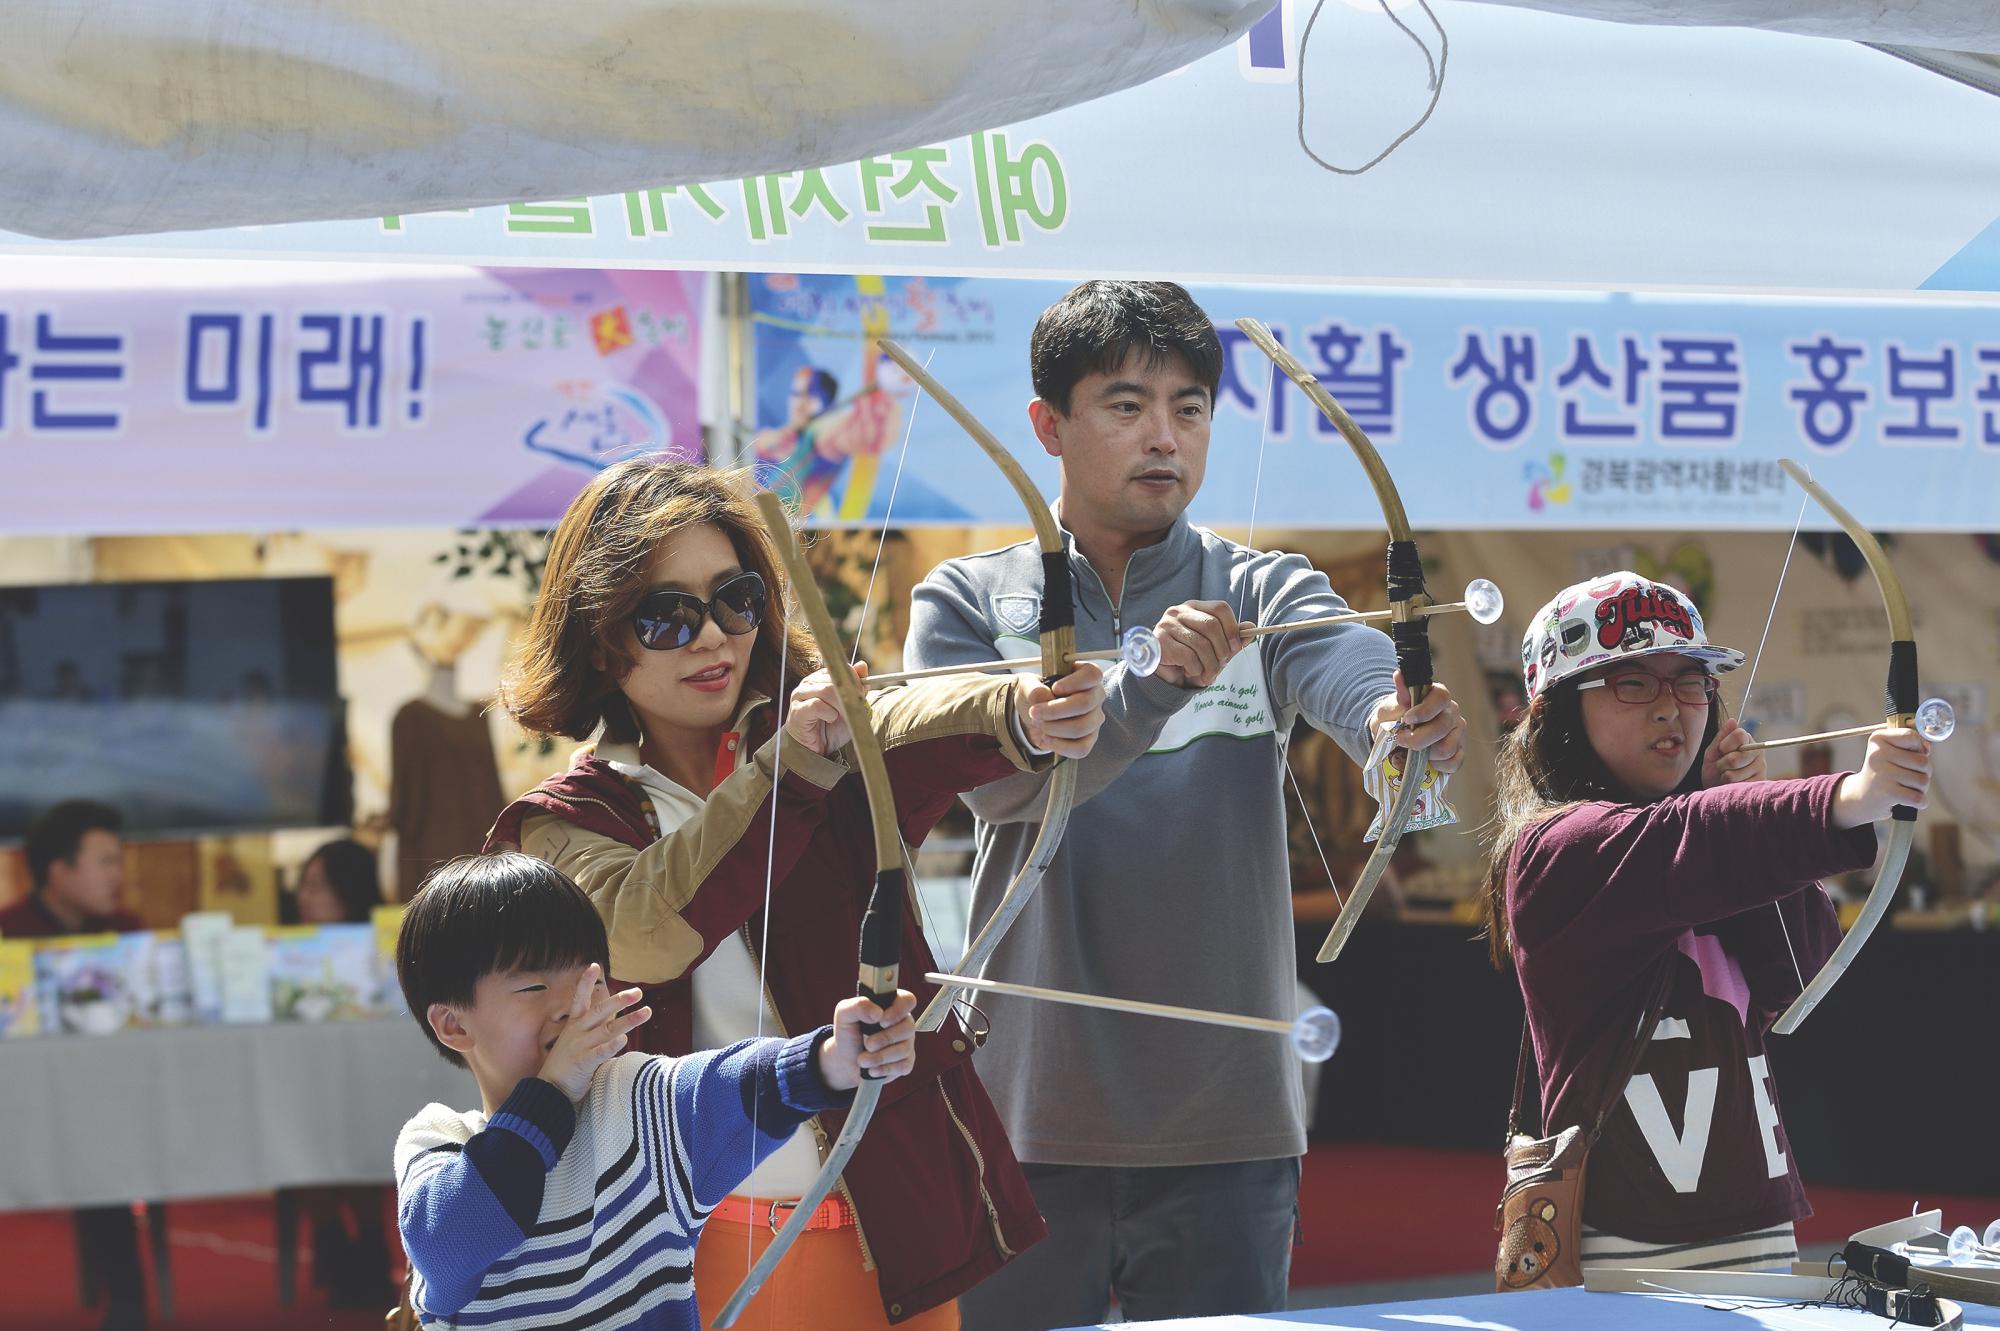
(1640, 864)
(657, 633)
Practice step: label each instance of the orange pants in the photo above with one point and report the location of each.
(820, 1286)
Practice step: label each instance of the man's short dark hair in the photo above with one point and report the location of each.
(59, 832)
(485, 914)
(1098, 325)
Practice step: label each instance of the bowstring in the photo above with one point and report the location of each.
(1750, 682)
(909, 429)
(770, 873)
(1278, 382)
(861, 625)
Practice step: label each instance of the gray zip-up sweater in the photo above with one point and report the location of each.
(1172, 884)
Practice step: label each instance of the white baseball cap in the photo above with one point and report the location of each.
(1612, 618)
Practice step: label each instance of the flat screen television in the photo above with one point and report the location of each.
(190, 707)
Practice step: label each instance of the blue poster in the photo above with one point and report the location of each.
(1492, 409)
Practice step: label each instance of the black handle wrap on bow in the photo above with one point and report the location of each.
(882, 946)
(1058, 598)
(1902, 693)
(1412, 636)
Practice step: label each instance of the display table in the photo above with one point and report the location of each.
(1559, 1310)
(156, 1115)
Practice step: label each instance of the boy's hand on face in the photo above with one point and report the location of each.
(1063, 718)
(593, 1033)
(1726, 763)
(1197, 639)
(887, 1054)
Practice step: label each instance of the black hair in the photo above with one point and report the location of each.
(1545, 765)
(58, 833)
(825, 387)
(350, 867)
(481, 915)
(1099, 324)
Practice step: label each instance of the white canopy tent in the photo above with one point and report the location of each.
(126, 117)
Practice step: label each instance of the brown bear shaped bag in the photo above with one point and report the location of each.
(1540, 1216)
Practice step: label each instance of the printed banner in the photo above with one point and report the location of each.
(1492, 410)
(338, 398)
(1558, 151)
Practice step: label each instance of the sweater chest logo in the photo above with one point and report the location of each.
(1237, 705)
(1018, 612)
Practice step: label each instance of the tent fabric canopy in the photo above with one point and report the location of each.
(128, 116)
(1960, 25)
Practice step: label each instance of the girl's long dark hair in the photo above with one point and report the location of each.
(1545, 765)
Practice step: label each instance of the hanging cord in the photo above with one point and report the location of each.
(1436, 75)
(1743, 707)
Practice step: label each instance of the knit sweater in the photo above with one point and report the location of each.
(1600, 900)
(550, 1214)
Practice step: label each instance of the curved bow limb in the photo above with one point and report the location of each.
(1902, 707)
(1058, 644)
(1409, 625)
(881, 924)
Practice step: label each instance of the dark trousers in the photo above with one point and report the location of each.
(108, 1244)
(1168, 1241)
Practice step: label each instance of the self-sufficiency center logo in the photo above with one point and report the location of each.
(1546, 485)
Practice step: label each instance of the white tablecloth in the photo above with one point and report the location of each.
(210, 1111)
(1556, 1310)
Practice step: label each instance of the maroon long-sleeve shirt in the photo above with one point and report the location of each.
(1599, 899)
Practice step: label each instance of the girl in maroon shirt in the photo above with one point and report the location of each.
(1637, 848)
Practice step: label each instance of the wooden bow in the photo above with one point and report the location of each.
(1902, 707)
(1058, 643)
(1409, 623)
(881, 923)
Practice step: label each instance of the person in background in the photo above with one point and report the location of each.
(340, 885)
(76, 863)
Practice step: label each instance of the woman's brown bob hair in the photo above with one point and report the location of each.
(564, 675)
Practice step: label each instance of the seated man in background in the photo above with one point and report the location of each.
(76, 864)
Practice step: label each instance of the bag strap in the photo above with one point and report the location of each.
(1520, 1086)
(1622, 1070)
(1614, 1089)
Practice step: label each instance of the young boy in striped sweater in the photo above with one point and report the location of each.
(574, 1195)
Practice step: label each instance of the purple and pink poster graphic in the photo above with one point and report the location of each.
(321, 397)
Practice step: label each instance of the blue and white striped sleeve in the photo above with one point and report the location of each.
(462, 1204)
(751, 1096)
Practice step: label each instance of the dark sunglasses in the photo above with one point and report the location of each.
(667, 620)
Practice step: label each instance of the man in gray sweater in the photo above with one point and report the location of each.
(1165, 1157)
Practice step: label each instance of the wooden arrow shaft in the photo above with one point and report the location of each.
(1133, 1005)
(984, 668)
(1351, 617)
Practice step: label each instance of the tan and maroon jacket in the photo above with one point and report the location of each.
(940, 1198)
